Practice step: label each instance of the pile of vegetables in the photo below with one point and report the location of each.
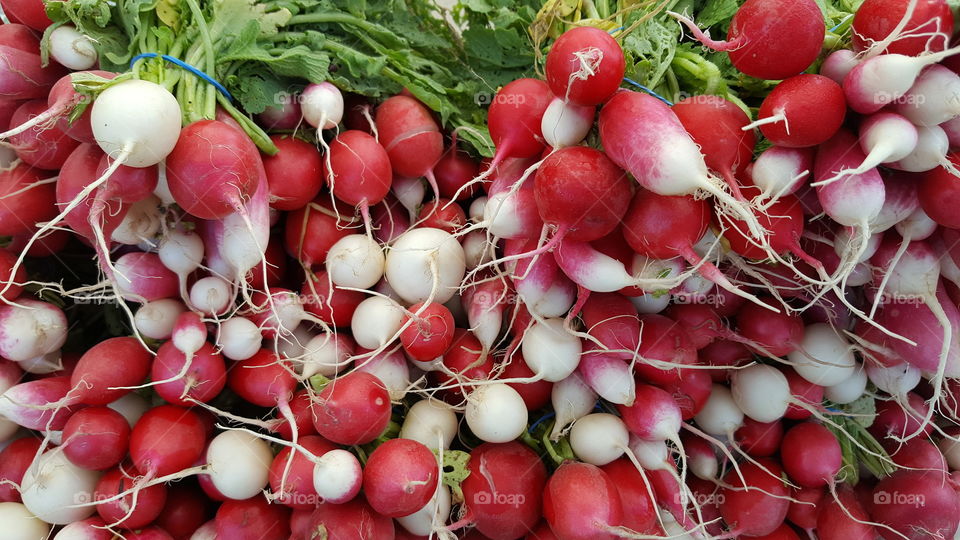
(314, 269)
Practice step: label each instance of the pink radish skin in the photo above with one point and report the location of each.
(77, 171)
(96, 438)
(802, 111)
(15, 459)
(411, 137)
(574, 517)
(585, 66)
(453, 171)
(21, 74)
(504, 489)
(97, 380)
(353, 409)
(44, 148)
(774, 334)
(354, 519)
(359, 169)
(759, 439)
(21, 209)
(654, 416)
(514, 119)
(843, 518)
(612, 320)
(838, 64)
(715, 125)
(142, 277)
(608, 375)
(142, 510)
(881, 80)
(661, 340)
(41, 404)
(770, 40)
(212, 171)
(540, 282)
(929, 102)
(297, 481)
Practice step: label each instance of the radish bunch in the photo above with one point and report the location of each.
(629, 322)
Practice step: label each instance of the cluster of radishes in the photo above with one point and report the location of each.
(315, 331)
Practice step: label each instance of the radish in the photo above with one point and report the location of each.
(156, 320)
(72, 49)
(759, 439)
(910, 28)
(496, 413)
(411, 137)
(392, 369)
(91, 528)
(182, 378)
(54, 490)
(454, 170)
(127, 512)
(431, 332)
(838, 63)
(96, 438)
(715, 125)
(881, 80)
(755, 503)
(929, 101)
(427, 519)
(337, 476)
(761, 392)
(292, 475)
(142, 277)
(15, 459)
(884, 137)
(931, 152)
(514, 120)
(663, 158)
(850, 389)
(25, 201)
(610, 377)
(584, 66)
(720, 415)
(238, 464)
(780, 170)
(354, 519)
(599, 438)
(581, 193)
(442, 214)
(311, 231)
(915, 504)
(393, 493)
(211, 296)
(96, 379)
(425, 264)
(294, 173)
(811, 455)
(21, 523)
(322, 105)
(355, 261)
(252, 518)
(142, 143)
(790, 35)
(804, 110)
(359, 171)
(639, 509)
(572, 516)
(937, 193)
(30, 328)
(23, 75)
(354, 409)
(166, 440)
(550, 351)
(896, 380)
(186, 510)
(843, 518)
(824, 358)
(42, 404)
(566, 124)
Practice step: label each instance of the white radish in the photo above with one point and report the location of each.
(136, 122)
(932, 99)
(433, 515)
(599, 438)
(391, 368)
(496, 413)
(238, 464)
(551, 352)
(337, 476)
(71, 49)
(322, 105)
(20, 524)
(761, 392)
(823, 357)
(376, 321)
(850, 389)
(572, 399)
(211, 295)
(57, 491)
(565, 124)
(31, 328)
(430, 422)
(425, 263)
(239, 338)
(720, 414)
(355, 261)
(895, 380)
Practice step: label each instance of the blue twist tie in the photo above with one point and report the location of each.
(649, 91)
(220, 88)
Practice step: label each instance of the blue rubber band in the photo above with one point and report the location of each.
(649, 91)
(615, 30)
(540, 421)
(841, 23)
(220, 88)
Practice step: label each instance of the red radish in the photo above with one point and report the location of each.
(96, 438)
(504, 489)
(92, 528)
(165, 440)
(581, 193)
(411, 137)
(294, 173)
(776, 334)
(804, 509)
(301, 407)
(354, 519)
(664, 348)
(149, 533)
(454, 170)
(691, 391)
(609, 376)
(42, 404)
(200, 376)
(639, 511)
(574, 517)
(75, 176)
(128, 512)
(15, 459)
(802, 111)
(442, 214)
(359, 170)
(770, 40)
(802, 391)
(97, 379)
(915, 504)
(22, 75)
(430, 334)
(879, 27)
(353, 409)
(760, 439)
(938, 192)
(715, 125)
(723, 353)
(811, 455)
(584, 66)
(27, 12)
(186, 510)
(281, 116)
(780, 170)
(654, 416)
(400, 477)
(463, 361)
(252, 518)
(535, 394)
(24, 200)
(898, 420)
(15, 278)
(514, 120)
(212, 171)
(45, 148)
(917, 453)
(842, 517)
(612, 320)
(757, 503)
(311, 231)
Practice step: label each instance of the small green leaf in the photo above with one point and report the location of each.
(455, 471)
